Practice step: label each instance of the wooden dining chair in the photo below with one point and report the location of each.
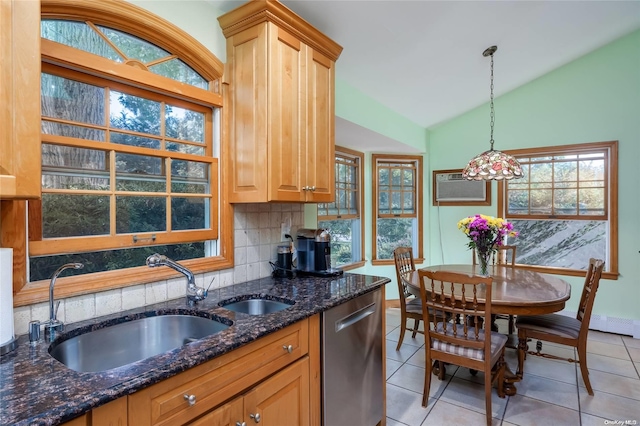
(410, 307)
(561, 329)
(504, 255)
(466, 344)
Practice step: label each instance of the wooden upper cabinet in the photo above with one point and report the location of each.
(19, 99)
(281, 108)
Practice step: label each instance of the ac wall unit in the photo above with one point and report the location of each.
(452, 187)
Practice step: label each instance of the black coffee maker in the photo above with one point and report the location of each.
(314, 253)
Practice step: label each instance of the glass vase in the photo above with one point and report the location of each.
(483, 260)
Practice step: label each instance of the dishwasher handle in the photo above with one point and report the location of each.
(356, 316)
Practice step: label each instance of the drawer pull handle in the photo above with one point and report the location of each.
(255, 417)
(288, 348)
(191, 399)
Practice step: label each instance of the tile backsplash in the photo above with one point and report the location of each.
(256, 236)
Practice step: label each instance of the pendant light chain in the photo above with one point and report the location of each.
(493, 113)
(492, 164)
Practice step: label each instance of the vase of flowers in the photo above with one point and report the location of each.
(485, 234)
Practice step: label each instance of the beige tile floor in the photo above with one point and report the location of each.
(552, 392)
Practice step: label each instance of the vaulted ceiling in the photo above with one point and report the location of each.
(423, 59)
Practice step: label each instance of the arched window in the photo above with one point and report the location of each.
(130, 122)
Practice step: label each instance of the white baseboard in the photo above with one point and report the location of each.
(627, 327)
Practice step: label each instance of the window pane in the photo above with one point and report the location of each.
(383, 177)
(591, 201)
(565, 202)
(383, 203)
(139, 173)
(341, 240)
(134, 140)
(66, 215)
(541, 201)
(79, 35)
(189, 213)
(134, 47)
(408, 179)
(396, 178)
(184, 124)
(189, 177)
(393, 233)
(66, 167)
(560, 243)
(177, 70)
(134, 113)
(42, 268)
(140, 214)
(518, 202)
(565, 171)
(540, 173)
(185, 148)
(408, 206)
(80, 132)
(71, 100)
(591, 170)
(396, 203)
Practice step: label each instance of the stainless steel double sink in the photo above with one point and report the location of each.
(127, 342)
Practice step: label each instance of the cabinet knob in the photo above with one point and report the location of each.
(255, 417)
(288, 348)
(191, 399)
(241, 424)
(312, 188)
(305, 188)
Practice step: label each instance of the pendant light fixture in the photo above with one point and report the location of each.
(492, 164)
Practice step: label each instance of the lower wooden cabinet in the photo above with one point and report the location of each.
(282, 399)
(273, 381)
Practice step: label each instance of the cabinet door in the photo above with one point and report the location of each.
(19, 99)
(320, 128)
(229, 414)
(282, 399)
(287, 116)
(247, 69)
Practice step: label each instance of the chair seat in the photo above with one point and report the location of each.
(415, 306)
(497, 343)
(558, 325)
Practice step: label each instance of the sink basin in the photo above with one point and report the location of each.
(257, 305)
(132, 341)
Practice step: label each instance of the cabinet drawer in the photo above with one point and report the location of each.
(215, 381)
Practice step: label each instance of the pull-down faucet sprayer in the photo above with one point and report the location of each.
(194, 293)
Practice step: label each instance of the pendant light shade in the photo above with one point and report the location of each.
(492, 164)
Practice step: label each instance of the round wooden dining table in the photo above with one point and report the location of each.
(515, 291)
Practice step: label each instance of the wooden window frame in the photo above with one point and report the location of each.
(52, 246)
(139, 22)
(418, 197)
(360, 197)
(611, 195)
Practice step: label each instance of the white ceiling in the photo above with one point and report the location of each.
(423, 59)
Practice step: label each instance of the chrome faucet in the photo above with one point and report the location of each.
(52, 326)
(194, 293)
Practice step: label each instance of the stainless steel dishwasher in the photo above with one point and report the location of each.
(352, 368)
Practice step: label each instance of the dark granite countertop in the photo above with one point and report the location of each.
(36, 389)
